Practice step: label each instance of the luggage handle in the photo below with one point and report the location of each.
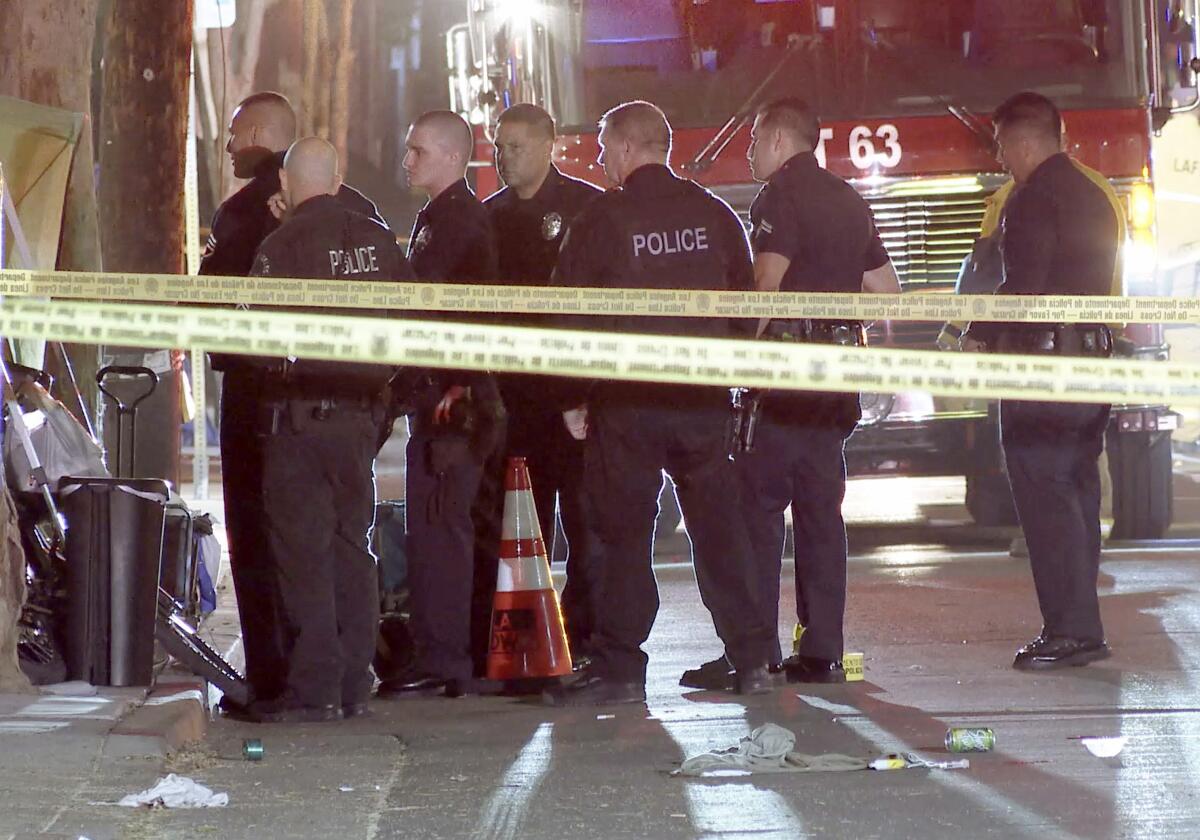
(127, 409)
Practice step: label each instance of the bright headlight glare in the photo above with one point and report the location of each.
(1141, 256)
(1141, 206)
(517, 9)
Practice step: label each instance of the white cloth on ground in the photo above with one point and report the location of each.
(176, 792)
(768, 749)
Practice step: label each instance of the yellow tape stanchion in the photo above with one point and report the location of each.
(272, 291)
(758, 364)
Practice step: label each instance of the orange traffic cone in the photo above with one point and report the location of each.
(527, 639)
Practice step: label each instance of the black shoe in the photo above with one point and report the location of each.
(594, 690)
(715, 675)
(1047, 653)
(753, 681)
(810, 669)
(775, 668)
(410, 683)
(288, 710)
(354, 710)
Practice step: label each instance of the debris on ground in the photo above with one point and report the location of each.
(768, 749)
(1105, 747)
(191, 757)
(174, 791)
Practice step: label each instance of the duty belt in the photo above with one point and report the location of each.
(817, 331)
(1056, 340)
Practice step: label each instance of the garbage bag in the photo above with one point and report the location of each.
(61, 443)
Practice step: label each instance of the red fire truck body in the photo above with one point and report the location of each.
(901, 85)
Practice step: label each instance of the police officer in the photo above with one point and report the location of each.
(454, 428)
(811, 232)
(530, 216)
(1059, 237)
(658, 231)
(319, 427)
(262, 129)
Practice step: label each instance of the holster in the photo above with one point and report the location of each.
(1087, 340)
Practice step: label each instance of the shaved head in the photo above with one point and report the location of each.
(450, 130)
(310, 169)
(262, 125)
(439, 147)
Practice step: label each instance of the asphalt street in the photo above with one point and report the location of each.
(937, 606)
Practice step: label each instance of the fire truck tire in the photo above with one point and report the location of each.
(1140, 465)
(989, 498)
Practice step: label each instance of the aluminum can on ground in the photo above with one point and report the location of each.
(970, 740)
(252, 749)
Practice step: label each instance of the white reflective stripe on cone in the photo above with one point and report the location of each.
(524, 574)
(520, 516)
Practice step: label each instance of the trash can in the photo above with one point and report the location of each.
(178, 570)
(113, 551)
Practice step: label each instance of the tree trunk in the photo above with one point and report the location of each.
(46, 57)
(143, 131)
(343, 71)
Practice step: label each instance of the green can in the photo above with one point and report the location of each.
(252, 749)
(970, 740)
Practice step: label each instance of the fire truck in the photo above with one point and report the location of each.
(903, 87)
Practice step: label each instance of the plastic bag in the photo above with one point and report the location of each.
(60, 442)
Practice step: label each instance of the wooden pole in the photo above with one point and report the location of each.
(343, 72)
(143, 126)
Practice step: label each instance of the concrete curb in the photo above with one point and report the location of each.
(173, 714)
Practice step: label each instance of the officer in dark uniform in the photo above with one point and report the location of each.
(319, 423)
(1059, 237)
(262, 129)
(454, 428)
(658, 231)
(530, 216)
(811, 233)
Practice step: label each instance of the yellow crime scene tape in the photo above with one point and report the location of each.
(273, 291)
(613, 356)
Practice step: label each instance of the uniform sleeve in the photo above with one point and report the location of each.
(739, 273)
(876, 255)
(230, 247)
(581, 262)
(585, 252)
(1027, 244)
(775, 229)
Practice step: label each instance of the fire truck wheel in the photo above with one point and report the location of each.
(1143, 499)
(989, 499)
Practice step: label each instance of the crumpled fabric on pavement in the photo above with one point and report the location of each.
(768, 749)
(176, 792)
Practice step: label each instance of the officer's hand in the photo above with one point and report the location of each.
(277, 204)
(970, 345)
(453, 394)
(576, 421)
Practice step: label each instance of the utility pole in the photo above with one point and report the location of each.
(147, 51)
